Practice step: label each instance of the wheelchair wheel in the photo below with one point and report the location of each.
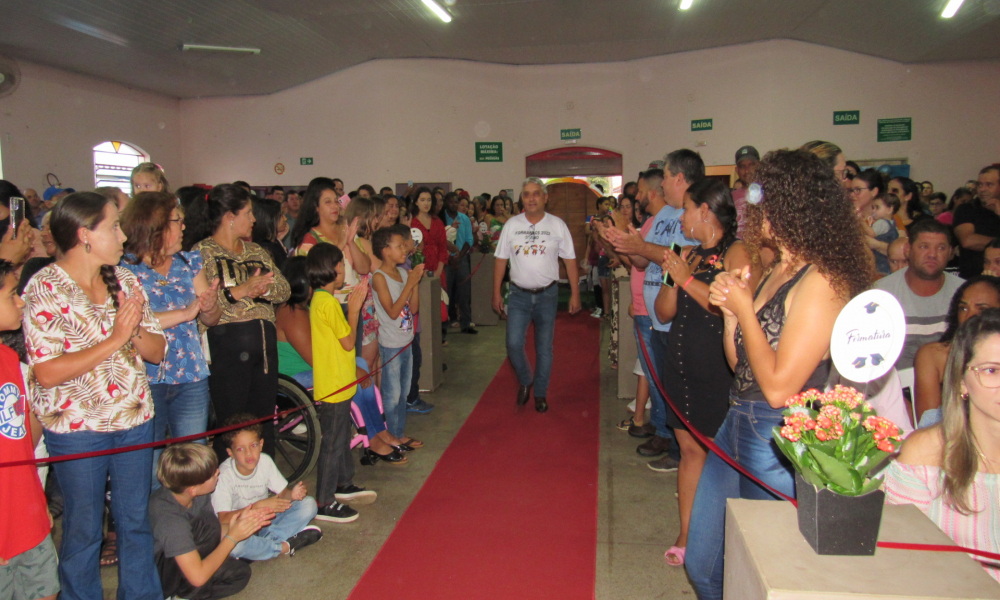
(297, 434)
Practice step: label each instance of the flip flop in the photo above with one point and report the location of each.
(624, 425)
(109, 551)
(675, 556)
(412, 443)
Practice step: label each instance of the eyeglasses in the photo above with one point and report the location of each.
(988, 376)
(858, 190)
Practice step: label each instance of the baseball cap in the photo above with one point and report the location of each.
(747, 152)
(657, 164)
(54, 190)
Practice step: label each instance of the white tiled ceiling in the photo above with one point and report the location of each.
(136, 42)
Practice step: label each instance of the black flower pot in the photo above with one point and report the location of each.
(836, 524)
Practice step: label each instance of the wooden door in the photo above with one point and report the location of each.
(572, 201)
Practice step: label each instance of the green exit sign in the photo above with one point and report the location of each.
(570, 134)
(701, 125)
(846, 117)
(489, 151)
(306, 160)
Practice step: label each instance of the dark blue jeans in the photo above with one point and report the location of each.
(183, 409)
(524, 308)
(84, 482)
(657, 405)
(746, 436)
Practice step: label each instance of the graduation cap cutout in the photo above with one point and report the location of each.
(870, 307)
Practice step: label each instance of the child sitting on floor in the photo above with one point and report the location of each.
(246, 478)
(28, 563)
(191, 547)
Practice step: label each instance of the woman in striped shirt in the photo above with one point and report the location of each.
(951, 471)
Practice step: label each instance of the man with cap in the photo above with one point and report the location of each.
(51, 196)
(747, 159)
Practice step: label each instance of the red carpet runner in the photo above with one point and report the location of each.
(510, 510)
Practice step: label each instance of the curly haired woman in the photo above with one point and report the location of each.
(777, 339)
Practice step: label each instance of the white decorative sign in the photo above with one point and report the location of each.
(868, 336)
(417, 235)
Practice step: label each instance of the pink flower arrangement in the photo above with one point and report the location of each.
(834, 439)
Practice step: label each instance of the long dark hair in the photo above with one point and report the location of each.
(415, 210)
(82, 209)
(801, 197)
(194, 201)
(267, 213)
(952, 320)
(873, 179)
(294, 271)
(309, 213)
(716, 195)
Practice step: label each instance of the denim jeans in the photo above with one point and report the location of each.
(183, 409)
(266, 543)
(84, 481)
(395, 387)
(524, 308)
(305, 379)
(745, 435)
(657, 405)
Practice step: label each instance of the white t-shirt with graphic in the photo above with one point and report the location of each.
(534, 250)
(236, 491)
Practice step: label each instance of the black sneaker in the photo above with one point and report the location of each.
(354, 494)
(307, 537)
(336, 512)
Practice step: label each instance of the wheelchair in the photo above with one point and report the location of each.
(298, 435)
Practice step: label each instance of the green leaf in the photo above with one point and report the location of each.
(849, 444)
(834, 470)
(812, 477)
(828, 447)
(875, 458)
(870, 486)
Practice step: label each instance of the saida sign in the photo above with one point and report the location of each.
(846, 117)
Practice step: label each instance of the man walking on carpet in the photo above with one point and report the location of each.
(533, 242)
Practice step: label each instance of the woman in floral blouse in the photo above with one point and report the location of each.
(180, 296)
(244, 343)
(88, 329)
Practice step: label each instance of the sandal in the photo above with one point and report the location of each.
(412, 443)
(109, 550)
(624, 425)
(675, 556)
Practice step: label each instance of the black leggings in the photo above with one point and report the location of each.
(244, 375)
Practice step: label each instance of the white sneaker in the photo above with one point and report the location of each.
(596, 314)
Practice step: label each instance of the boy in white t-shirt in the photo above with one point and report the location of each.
(247, 478)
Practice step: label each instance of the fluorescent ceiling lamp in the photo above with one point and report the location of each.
(951, 8)
(207, 48)
(436, 9)
(686, 4)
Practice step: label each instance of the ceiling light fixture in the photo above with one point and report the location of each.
(951, 8)
(207, 48)
(438, 10)
(686, 4)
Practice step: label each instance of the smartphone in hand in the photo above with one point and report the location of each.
(667, 279)
(16, 214)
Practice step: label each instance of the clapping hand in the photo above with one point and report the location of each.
(248, 522)
(356, 299)
(624, 243)
(677, 266)
(731, 292)
(209, 299)
(299, 491)
(129, 315)
(256, 285)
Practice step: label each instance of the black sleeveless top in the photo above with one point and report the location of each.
(772, 321)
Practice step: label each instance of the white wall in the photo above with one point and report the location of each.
(54, 119)
(391, 121)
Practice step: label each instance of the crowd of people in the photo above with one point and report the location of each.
(165, 313)
(735, 292)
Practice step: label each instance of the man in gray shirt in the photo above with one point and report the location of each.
(923, 288)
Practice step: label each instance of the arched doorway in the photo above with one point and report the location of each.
(570, 197)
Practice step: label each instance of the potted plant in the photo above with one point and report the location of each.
(834, 440)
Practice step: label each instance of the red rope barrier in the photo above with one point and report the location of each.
(742, 470)
(195, 436)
